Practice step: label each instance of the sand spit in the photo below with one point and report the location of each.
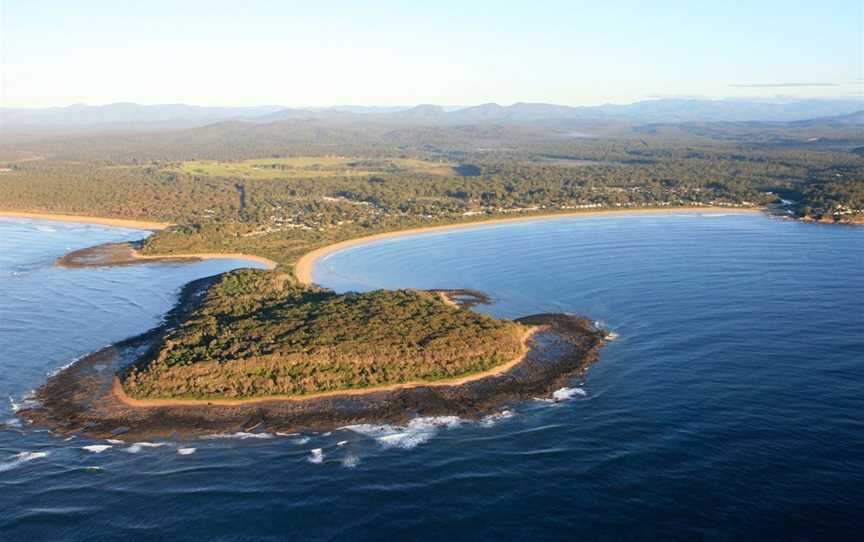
(116, 254)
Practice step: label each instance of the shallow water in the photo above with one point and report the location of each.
(728, 408)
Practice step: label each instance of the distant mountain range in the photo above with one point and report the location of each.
(135, 116)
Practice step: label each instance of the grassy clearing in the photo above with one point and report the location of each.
(298, 167)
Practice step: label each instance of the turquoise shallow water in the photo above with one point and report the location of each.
(728, 408)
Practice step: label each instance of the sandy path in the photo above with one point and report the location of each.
(305, 265)
(120, 393)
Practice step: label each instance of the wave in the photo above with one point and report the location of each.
(242, 435)
(12, 422)
(492, 419)
(27, 402)
(563, 394)
(350, 461)
(186, 451)
(316, 456)
(21, 458)
(97, 448)
(415, 433)
(138, 446)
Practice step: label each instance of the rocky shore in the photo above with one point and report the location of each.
(82, 398)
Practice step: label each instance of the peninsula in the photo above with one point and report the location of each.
(260, 348)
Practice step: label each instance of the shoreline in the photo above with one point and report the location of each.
(80, 399)
(116, 254)
(120, 393)
(305, 266)
(86, 219)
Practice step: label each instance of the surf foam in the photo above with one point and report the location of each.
(97, 448)
(316, 456)
(21, 458)
(138, 446)
(492, 419)
(242, 435)
(415, 433)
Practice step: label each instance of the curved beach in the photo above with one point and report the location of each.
(85, 219)
(305, 266)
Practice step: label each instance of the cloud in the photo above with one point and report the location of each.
(781, 85)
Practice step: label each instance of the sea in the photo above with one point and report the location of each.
(729, 406)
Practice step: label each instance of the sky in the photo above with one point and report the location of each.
(389, 53)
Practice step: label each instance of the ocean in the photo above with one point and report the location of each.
(729, 407)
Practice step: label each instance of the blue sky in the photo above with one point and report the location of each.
(304, 53)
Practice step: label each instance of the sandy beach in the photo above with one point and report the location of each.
(305, 265)
(119, 222)
(270, 264)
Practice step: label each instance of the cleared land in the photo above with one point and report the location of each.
(300, 167)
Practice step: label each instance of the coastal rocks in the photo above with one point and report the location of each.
(81, 397)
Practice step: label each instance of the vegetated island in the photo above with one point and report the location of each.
(253, 349)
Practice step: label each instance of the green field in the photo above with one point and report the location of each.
(299, 167)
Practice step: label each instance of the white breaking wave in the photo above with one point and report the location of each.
(186, 451)
(415, 433)
(97, 448)
(350, 461)
(138, 446)
(27, 402)
(242, 435)
(568, 393)
(300, 440)
(115, 441)
(563, 394)
(491, 419)
(316, 456)
(20, 459)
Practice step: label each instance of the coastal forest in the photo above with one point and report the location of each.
(258, 334)
(283, 188)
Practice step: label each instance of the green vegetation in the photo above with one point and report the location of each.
(299, 167)
(258, 334)
(282, 189)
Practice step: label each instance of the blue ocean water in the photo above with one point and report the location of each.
(729, 408)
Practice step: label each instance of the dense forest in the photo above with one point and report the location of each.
(258, 334)
(282, 188)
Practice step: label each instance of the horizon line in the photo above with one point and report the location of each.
(761, 99)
